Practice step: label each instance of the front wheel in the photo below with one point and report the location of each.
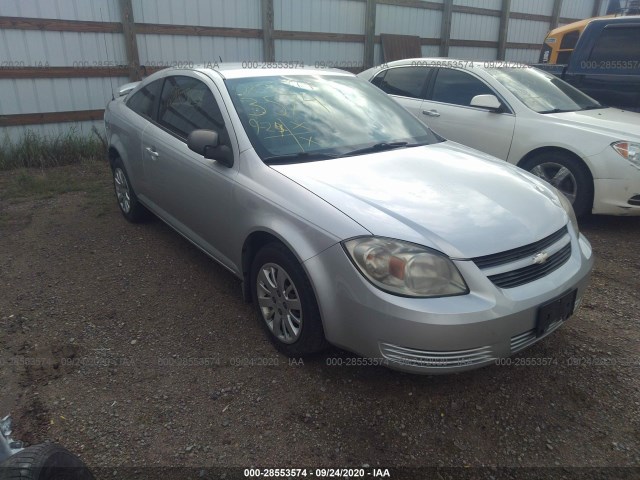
(568, 174)
(285, 303)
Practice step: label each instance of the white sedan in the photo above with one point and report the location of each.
(530, 118)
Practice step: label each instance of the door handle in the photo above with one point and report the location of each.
(152, 152)
(431, 113)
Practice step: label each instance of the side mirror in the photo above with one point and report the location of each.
(490, 102)
(207, 144)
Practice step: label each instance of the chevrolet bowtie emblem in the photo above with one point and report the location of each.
(540, 258)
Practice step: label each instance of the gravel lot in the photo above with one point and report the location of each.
(133, 349)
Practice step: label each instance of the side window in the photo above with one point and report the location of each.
(404, 81)
(186, 105)
(457, 88)
(569, 40)
(144, 100)
(617, 44)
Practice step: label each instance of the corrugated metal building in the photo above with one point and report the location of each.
(60, 59)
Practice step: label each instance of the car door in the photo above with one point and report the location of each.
(448, 111)
(406, 84)
(191, 193)
(141, 105)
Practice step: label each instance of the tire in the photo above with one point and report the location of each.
(46, 461)
(567, 174)
(285, 302)
(127, 200)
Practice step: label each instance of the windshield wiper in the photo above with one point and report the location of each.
(378, 147)
(299, 157)
(556, 110)
(593, 107)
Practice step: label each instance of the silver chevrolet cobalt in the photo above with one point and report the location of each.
(348, 221)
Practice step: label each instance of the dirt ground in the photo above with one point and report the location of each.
(133, 349)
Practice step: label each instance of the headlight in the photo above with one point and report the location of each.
(404, 268)
(629, 150)
(566, 204)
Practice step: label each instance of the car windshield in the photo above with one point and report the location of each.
(299, 118)
(541, 91)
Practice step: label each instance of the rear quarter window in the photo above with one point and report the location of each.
(145, 101)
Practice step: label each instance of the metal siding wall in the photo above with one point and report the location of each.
(522, 55)
(473, 53)
(60, 49)
(574, 9)
(163, 50)
(539, 7)
(408, 21)
(55, 94)
(327, 53)
(51, 130)
(465, 26)
(331, 16)
(490, 4)
(527, 31)
(30, 48)
(62, 9)
(209, 13)
(430, 50)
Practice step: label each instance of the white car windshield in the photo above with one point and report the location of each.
(541, 91)
(300, 118)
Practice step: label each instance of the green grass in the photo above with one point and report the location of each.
(33, 150)
(90, 176)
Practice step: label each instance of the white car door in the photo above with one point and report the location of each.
(406, 84)
(447, 111)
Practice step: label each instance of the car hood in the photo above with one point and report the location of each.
(444, 196)
(618, 124)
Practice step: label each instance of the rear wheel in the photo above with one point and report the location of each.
(568, 174)
(128, 202)
(285, 303)
(46, 461)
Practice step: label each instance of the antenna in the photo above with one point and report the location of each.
(106, 50)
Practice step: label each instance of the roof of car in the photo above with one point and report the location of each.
(452, 62)
(261, 69)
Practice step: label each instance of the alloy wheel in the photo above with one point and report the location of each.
(122, 190)
(279, 302)
(559, 176)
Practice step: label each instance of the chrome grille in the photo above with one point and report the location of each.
(436, 359)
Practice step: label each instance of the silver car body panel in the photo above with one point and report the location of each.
(444, 196)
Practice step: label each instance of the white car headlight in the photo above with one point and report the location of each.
(405, 268)
(628, 150)
(566, 204)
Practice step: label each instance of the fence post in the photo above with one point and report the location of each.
(504, 29)
(555, 16)
(130, 42)
(597, 5)
(369, 34)
(268, 44)
(445, 29)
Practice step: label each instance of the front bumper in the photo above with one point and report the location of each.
(437, 335)
(616, 197)
(617, 194)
